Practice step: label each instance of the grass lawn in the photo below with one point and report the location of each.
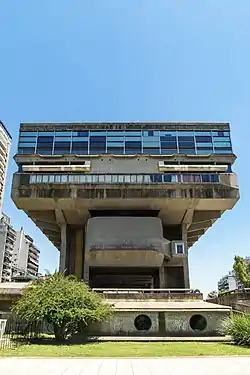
(127, 349)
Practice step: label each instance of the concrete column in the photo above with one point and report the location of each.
(162, 277)
(185, 260)
(63, 248)
(79, 253)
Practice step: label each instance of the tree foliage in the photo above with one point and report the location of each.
(242, 270)
(62, 301)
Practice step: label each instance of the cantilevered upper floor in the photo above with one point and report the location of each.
(180, 172)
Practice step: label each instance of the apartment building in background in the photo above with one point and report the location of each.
(18, 254)
(228, 282)
(5, 145)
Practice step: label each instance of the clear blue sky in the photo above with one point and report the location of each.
(124, 60)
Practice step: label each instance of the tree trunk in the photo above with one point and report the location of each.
(59, 332)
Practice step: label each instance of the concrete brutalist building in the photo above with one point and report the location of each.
(124, 202)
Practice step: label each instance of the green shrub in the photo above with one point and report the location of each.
(238, 327)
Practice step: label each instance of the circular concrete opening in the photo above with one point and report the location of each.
(143, 323)
(198, 322)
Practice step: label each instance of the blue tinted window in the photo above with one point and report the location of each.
(27, 139)
(203, 139)
(203, 134)
(204, 151)
(81, 133)
(168, 134)
(151, 144)
(115, 150)
(30, 144)
(64, 134)
(45, 140)
(46, 134)
(168, 151)
(187, 151)
(115, 138)
(186, 134)
(96, 133)
(115, 133)
(202, 145)
(28, 134)
(26, 150)
(171, 145)
(115, 144)
(151, 151)
(132, 133)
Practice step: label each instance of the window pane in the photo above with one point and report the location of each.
(28, 134)
(27, 139)
(203, 134)
(115, 150)
(98, 134)
(26, 150)
(64, 134)
(46, 134)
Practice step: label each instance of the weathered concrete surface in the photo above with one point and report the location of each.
(128, 366)
(168, 318)
(237, 301)
(125, 241)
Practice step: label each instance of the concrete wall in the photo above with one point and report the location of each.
(110, 164)
(169, 323)
(123, 232)
(125, 241)
(122, 323)
(178, 323)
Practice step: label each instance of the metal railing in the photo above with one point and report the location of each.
(152, 178)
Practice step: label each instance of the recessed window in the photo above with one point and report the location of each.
(143, 323)
(198, 322)
(179, 248)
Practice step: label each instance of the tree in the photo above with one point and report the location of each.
(242, 270)
(212, 294)
(64, 302)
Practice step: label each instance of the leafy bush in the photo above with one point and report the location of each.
(64, 302)
(238, 327)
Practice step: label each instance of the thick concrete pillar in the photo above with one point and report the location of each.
(63, 248)
(79, 253)
(162, 277)
(186, 272)
(185, 260)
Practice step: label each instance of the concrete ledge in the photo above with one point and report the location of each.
(162, 339)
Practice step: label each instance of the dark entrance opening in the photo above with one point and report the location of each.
(122, 277)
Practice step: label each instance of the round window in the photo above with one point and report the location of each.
(198, 322)
(143, 323)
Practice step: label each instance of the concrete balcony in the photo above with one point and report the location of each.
(126, 242)
(195, 199)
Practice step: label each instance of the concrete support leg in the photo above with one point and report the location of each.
(185, 260)
(63, 248)
(162, 277)
(78, 253)
(186, 272)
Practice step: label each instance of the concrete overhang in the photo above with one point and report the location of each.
(124, 258)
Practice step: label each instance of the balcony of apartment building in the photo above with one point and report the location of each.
(32, 259)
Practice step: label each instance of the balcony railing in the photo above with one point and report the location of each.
(153, 178)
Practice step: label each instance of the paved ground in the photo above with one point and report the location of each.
(167, 366)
